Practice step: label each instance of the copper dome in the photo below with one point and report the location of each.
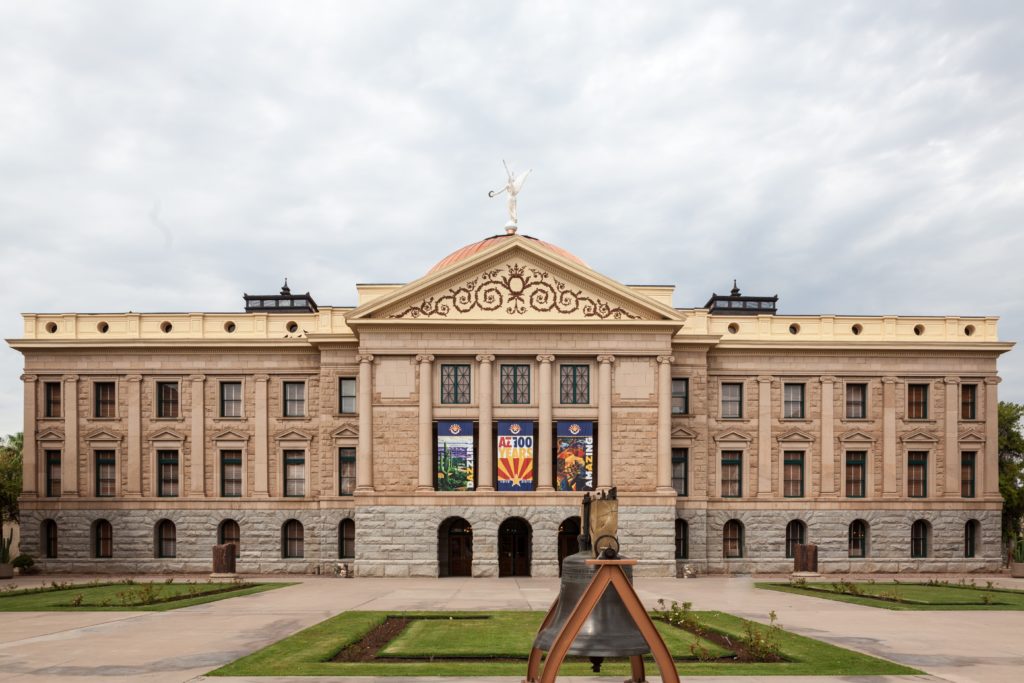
(475, 248)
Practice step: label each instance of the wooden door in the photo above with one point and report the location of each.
(460, 554)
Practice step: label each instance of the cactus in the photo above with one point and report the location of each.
(1018, 551)
(5, 548)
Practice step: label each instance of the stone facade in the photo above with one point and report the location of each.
(507, 300)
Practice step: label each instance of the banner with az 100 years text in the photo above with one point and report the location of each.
(574, 466)
(455, 456)
(515, 456)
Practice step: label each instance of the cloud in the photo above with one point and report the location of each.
(853, 158)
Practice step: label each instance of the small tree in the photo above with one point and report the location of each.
(1011, 467)
(10, 476)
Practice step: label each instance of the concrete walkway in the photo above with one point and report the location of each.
(182, 645)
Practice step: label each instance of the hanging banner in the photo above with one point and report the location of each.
(455, 456)
(574, 466)
(515, 456)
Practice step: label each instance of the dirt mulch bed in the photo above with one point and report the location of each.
(366, 649)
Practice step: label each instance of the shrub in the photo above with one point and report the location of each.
(1018, 550)
(763, 644)
(24, 563)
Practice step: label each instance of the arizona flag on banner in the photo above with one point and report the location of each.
(574, 466)
(515, 456)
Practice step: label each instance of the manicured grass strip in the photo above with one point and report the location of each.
(915, 596)
(110, 597)
(308, 653)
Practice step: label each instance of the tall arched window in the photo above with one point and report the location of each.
(347, 539)
(796, 533)
(102, 539)
(230, 533)
(682, 539)
(732, 539)
(292, 541)
(971, 534)
(858, 541)
(50, 538)
(919, 533)
(166, 539)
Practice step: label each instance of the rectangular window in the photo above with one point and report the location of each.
(680, 396)
(793, 474)
(347, 395)
(103, 399)
(856, 401)
(167, 399)
(515, 384)
(917, 401)
(967, 471)
(680, 471)
(856, 474)
(294, 399)
(53, 474)
(455, 384)
(346, 471)
(968, 401)
(732, 474)
(231, 474)
(732, 400)
(793, 401)
(167, 462)
(51, 399)
(295, 473)
(231, 399)
(917, 474)
(106, 474)
(574, 384)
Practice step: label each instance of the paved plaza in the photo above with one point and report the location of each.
(184, 644)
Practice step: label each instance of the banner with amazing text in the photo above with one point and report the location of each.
(574, 464)
(455, 456)
(515, 455)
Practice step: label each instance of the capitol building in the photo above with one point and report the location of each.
(448, 427)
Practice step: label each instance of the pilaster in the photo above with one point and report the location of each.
(889, 482)
(664, 482)
(69, 459)
(485, 462)
(544, 445)
(261, 477)
(133, 463)
(30, 469)
(764, 437)
(364, 447)
(951, 485)
(828, 425)
(426, 421)
(604, 417)
(197, 452)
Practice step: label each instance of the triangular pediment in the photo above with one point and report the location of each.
(795, 436)
(166, 435)
(856, 436)
(346, 430)
(918, 436)
(972, 437)
(515, 281)
(732, 436)
(50, 434)
(293, 435)
(230, 435)
(102, 435)
(683, 433)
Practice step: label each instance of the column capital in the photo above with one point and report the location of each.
(666, 359)
(546, 358)
(262, 378)
(423, 358)
(890, 380)
(29, 378)
(133, 378)
(993, 380)
(197, 378)
(765, 379)
(70, 378)
(365, 357)
(951, 380)
(827, 379)
(485, 358)
(606, 358)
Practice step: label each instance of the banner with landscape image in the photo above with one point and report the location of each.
(515, 455)
(574, 464)
(455, 456)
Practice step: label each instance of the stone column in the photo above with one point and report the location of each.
(828, 447)
(889, 483)
(988, 473)
(764, 437)
(665, 424)
(604, 421)
(952, 443)
(426, 440)
(198, 451)
(364, 448)
(69, 458)
(486, 463)
(261, 478)
(544, 447)
(30, 484)
(133, 463)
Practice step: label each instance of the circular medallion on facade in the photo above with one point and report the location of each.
(455, 429)
(514, 428)
(574, 429)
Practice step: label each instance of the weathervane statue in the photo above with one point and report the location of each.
(512, 187)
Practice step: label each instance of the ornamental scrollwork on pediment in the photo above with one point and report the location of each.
(516, 289)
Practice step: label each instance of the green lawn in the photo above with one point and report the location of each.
(510, 635)
(911, 596)
(125, 597)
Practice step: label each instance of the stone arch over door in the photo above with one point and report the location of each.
(515, 547)
(568, 539)
(455, 547)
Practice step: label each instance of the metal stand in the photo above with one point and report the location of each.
(609, 574)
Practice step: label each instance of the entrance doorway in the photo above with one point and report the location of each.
(514, 542)
(455, 547)
(568, 539)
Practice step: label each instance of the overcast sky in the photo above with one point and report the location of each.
(859, 158)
